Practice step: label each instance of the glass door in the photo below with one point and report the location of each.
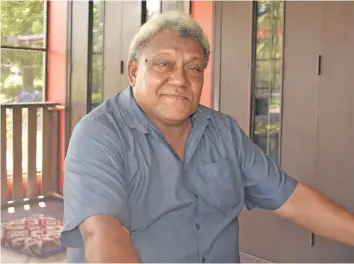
(96, 35)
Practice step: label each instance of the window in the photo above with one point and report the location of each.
(23, 51)
(96, 53)
(267, 84)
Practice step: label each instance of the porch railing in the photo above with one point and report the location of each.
(29, 150)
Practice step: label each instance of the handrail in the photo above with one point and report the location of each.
(29, 104)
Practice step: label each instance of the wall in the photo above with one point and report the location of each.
(236, 61)
(202, 12)
(317, 113)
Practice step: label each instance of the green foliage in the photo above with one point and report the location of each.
(269, 27)
(97, 98)
(12, 85)
(269, 48)
(97, 52)
(268, 77)
(21, 18)
(264, 129)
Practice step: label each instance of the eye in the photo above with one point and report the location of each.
(163, 64)
(195, 68)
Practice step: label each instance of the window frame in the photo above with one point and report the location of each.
(91, 53)
(44, 50)
(254, 61)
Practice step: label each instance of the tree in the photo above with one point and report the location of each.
(22, 19)
(97, 52)
(268, 75)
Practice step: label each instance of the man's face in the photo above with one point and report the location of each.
(168, 79)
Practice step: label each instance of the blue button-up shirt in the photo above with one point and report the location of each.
(175, 210)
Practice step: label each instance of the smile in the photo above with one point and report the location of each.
(175, 97)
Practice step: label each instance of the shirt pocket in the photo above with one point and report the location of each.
(221, 185)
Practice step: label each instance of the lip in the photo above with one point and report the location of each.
(176, 97)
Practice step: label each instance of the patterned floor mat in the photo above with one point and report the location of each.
(30, 232)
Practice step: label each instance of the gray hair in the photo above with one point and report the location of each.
(174, 21)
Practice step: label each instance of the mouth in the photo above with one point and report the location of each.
(176, 97)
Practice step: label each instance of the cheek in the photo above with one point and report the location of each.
(152, 78)
(197, 88)
(141, 78)
(197, 94)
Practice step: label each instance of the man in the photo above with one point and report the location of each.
(152, 176)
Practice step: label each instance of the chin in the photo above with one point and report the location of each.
(175, 119)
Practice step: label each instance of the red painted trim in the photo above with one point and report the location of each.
(56, 68)
(202, 12)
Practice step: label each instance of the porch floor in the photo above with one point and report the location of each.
(30, 232)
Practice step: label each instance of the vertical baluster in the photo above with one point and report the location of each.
(46, 152)
(4, 192)
(54, 137)
(17, 190)
(32, 190)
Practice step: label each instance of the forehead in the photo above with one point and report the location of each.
(171, 42)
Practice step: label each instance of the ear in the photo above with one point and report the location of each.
(133, 67)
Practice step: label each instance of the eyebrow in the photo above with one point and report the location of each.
(161, 53)
(191, 59)
(196, 58)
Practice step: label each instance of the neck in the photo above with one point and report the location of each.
(176, 131)
(176, 135)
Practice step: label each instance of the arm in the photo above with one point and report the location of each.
(314, 211)
(106, 241)
(96, 203)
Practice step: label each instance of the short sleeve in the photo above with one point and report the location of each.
(93, 178)
(266, 185)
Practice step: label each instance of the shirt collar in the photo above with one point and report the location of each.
(134, 117)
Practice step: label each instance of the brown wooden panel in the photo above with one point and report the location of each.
(335, 149)
(112, 48)
(4, 192)
(32, 152)
(17, 190)
(335, 173)
(236, 56)
(54, 137)
(79, 61)
(262, 233)
(131, 22)
(46, 152)
(300, 89)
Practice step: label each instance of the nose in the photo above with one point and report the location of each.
(178, 77)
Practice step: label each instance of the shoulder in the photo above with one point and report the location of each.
(107, 117)
(96, 142)
(102, 125)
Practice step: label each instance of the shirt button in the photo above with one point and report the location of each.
(197, 226)
(203, 259)
(196, 196)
